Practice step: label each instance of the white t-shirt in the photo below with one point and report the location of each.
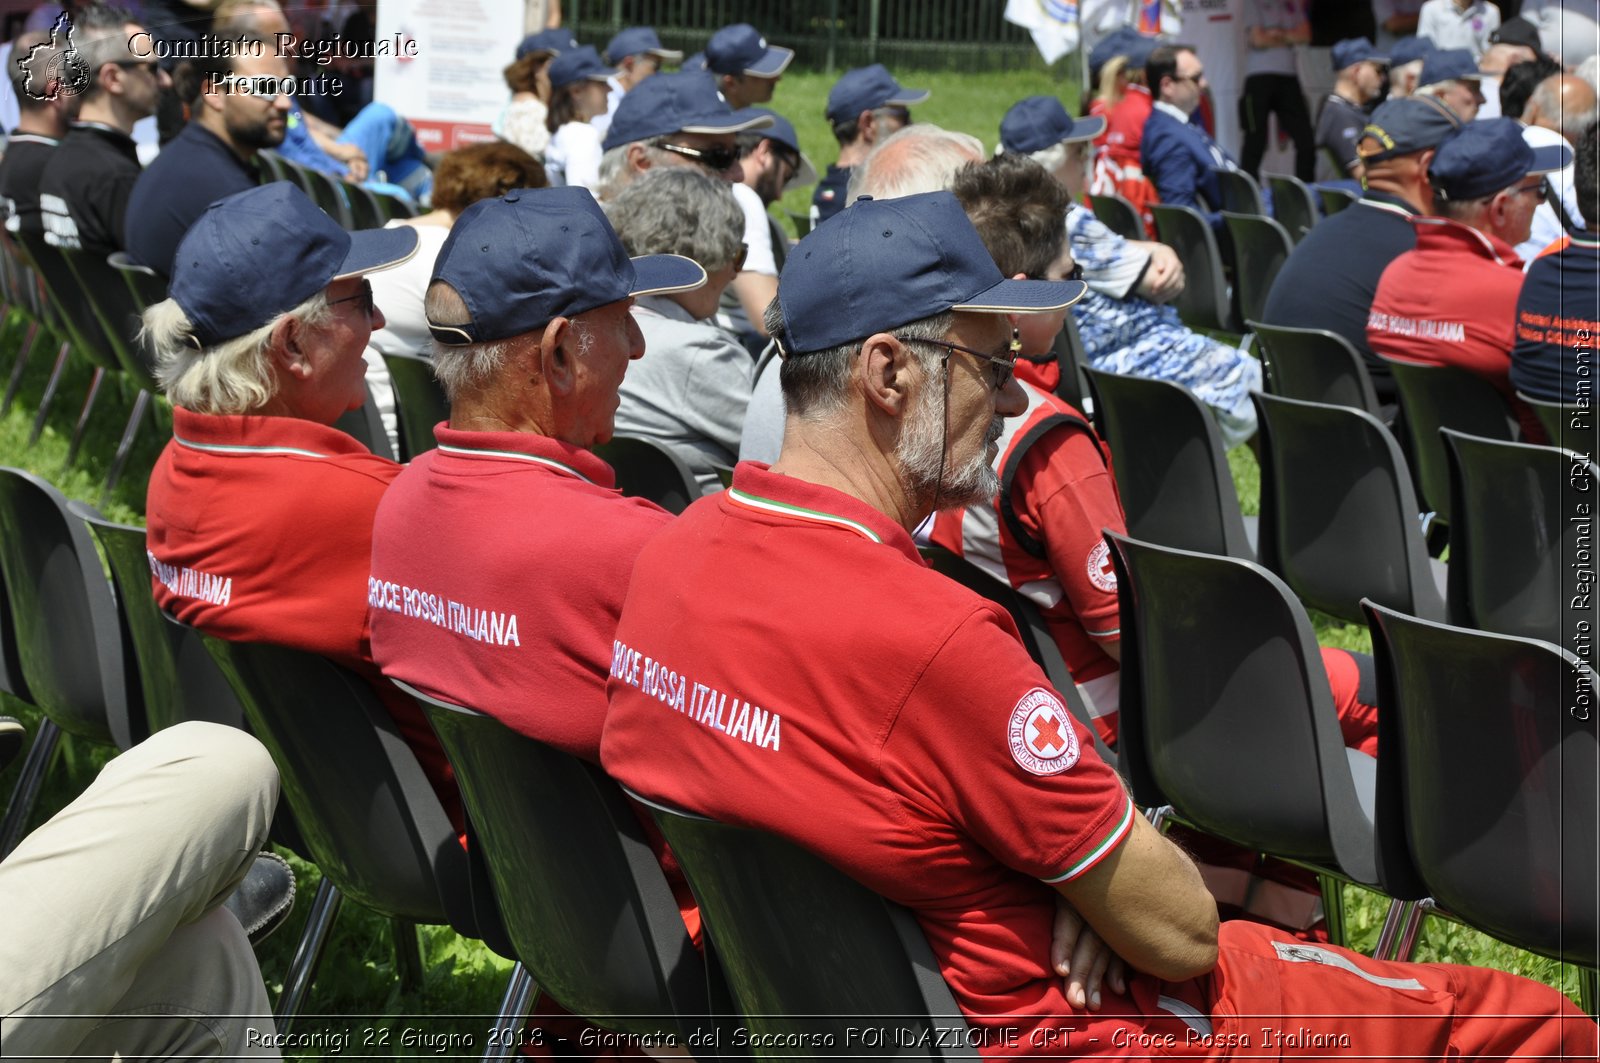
(399, 292)
(573, 156)
(1450, 27)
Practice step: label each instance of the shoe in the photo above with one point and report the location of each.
(264, 899)
(13, 736)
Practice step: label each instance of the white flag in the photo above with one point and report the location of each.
(1053, 24)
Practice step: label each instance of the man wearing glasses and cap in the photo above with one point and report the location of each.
(746, 68)
(673, 120)
(786, 661)
(259, 511)
(866, 106)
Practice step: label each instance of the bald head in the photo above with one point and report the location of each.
(919, 158)
(1562, 102)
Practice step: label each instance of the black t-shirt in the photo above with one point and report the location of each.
(828, 199)
(26, 154)
(1330, 278)
(1339, 126)
(83, 192)
(193, 171)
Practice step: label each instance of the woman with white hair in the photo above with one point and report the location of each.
(691, 389)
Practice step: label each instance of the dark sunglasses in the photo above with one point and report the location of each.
(716, 159)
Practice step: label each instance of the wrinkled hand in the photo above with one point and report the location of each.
(1085, 961)
(354, 159)
(1163, 280)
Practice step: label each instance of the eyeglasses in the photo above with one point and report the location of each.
(717, 160)
(1197, 77)
(899, 114)
(1000, 368)
(362, 299)
(1537, 188)
(1075, 275)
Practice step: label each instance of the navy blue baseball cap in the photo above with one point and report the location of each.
(1355, 50)
(1040, 122)
(782, 130)
(262, 252)
(867, 88)
(1488, 156)
(888, 262)
(1410, 49)
(550, 42)
(696, 63)
(536, 254)
(1450, 64)
(684, 102)
(740, 49)
(639, 40)
(1403, 126)
(576, 65)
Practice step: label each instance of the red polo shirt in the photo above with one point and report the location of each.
(786, 660)
(260, 530)
(499, 565)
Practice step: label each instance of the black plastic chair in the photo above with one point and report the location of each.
(1339, 517)
(1292, 204)
(365, 210)
(1513, 543)
(1072, 360)
(365, 426)
(806, 950)
(1226, 714)
(372, 822)
(647, 469)
(1314, 365)
(1119, 215)
(1487, 786)
(1171, 469)
(68, 640)
(278, 168)
(586, 906)
(1562, 421)
(1240, 193)
(1440, 396)
(1336, 199)
(1260, 248)
(419, 400)
(328, 192)
(1205, 302)
(1035, 633)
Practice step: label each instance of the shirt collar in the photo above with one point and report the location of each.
(1437, 233)
(524, 448)
(662, 306)
(758, 490)
(1166, 108)
(1373, 197)
(248, 434)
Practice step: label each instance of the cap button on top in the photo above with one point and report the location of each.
(512, 197)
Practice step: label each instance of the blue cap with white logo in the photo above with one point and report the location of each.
(740, 49)
(885, 263)
(675, 103)
(536, 254)
(1040, 122)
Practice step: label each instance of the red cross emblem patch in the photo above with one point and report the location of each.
(1040, 735)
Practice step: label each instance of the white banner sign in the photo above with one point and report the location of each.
(451, 89)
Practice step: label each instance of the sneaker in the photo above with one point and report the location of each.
(264, 899)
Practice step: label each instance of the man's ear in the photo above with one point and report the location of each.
(557, 353)
(638, 158)
(211, 95)
(287, 348)
(867, 126)
(885, 368)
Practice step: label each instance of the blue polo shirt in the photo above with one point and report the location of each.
(1558, 322)
(193, 171)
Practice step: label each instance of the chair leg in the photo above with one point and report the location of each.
(407, 954)
(125, 446)
(19, 366)
(49, 393)
(1589, 990)
(26, 793)
(515, 1007)
(1333, 907)
(1396, 924)
(95, 383)
(308, 953)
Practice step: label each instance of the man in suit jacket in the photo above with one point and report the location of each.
(1177, 155)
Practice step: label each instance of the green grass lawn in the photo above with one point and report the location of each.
(357, 988)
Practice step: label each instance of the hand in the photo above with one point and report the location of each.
(1163, 279)
(1086, 962)
(354, 159)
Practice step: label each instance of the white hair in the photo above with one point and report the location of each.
(918, 158)
(232, 377)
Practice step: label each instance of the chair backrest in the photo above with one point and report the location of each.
(1171, 469)
(419, 400)
(328, 193)
(1118, 214)
(1072, 360)
(1314, 365)
(69, 641)
(1335, 199)
(1487, 784)
(1036, 637)
(1292, 204)
(1338, 513)
(1240, 193)
(806, 950)
(1442, 396)
(1561, 420)
(117, 312)
(365, 426)
(588, 910)
(365, 210)
(1226, 713)
(179, 679)
(364, 807)
(75, 313)
(1512, 542)
(1260, 248)
(1204, 302)
(647, 469)
(280, 169)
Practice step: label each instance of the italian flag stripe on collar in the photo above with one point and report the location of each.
(1102, 850)
(472, 452)
(239, 448)
(767, 505)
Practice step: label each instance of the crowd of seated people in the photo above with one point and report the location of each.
(608, 267)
